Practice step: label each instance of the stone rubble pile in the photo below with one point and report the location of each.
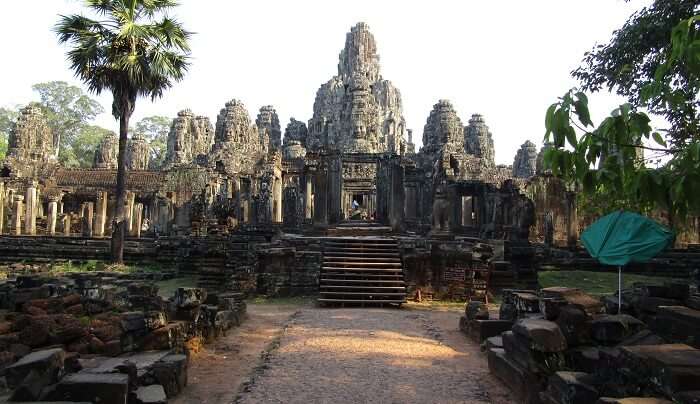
(561, 346)
(103, 337)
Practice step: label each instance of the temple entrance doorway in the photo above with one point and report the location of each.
(358, 204)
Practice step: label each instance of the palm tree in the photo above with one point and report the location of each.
(132, 48)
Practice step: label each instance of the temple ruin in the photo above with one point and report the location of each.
(351, 169)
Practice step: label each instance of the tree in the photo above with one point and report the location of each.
(7, 119)
(629, 62)
(135, 50)
(68, 111)
(622, 179)
(155, 129)
(86, 142)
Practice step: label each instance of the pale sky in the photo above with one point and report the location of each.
(507, 60)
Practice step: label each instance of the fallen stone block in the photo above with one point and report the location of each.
(542, 335)
(168, 337)
(574, 324)
(479, 330)
(476, 311)
(613, 329)
(572, 388)
(153, 394)
(112, 388)
(524, 385)
(47, 364)
(190, 297)
(542, 363)
(575, 297)
(668, 368)
(171, 373)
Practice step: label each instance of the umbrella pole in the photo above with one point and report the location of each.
(619, 289)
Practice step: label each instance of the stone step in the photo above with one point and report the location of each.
(402, 294)
(356, 281)
(354, 253)
(361, 264)
(363, 301)
(359, 269)
(336, 287)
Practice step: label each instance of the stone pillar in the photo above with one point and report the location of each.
(17, 215)
(130, 199)
(320, 198)
(277, 192)
(138, 220)
(334, 187)
(397, 196)
(100, 213)
(66, 225)
(2, 207)
(307, 197)
(30, 210)
(53, 215)
(88, 209)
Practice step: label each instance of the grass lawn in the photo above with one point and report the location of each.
(597, 283)
(167, 288)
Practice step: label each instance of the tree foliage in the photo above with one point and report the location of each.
(630, 62)
(131, 48)
(155, 129)
(86, 142)
(68, 111)
(7, 119)
(607, 162)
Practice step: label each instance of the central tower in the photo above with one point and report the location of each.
(357, 111)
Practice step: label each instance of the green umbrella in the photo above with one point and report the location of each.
(623, 237)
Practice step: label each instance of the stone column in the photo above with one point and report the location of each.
(88, 209)
(277, 192)
(309, 194)
(30, 210)
(2, 207)
(138, 220)
(320, 198)
(100, 213)
(17, 215)
(130, 199)
(53, 215)
(66, 225)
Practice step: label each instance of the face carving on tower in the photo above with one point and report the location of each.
(357, 111)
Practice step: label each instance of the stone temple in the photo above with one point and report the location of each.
(236, 187)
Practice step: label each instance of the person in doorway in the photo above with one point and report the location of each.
(355, 205)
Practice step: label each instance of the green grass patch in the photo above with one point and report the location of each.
(597, 283)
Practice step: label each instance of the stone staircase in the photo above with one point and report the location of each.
(361, 271)
(358, 228)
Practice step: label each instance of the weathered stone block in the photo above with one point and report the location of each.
(574, 324)
(669, 368)
(542, 335)
(168, 337)
(525, 385)
(479, 330)
(476, 311)
(48, 365)
(613, 329)
(103, 388)
(171, 373)
(572, 388)
(153, 394)
(632, 400)
(190, 297)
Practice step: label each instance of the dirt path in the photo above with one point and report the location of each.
(374, 355)
(217, 372)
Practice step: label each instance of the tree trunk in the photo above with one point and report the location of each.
(119, 222)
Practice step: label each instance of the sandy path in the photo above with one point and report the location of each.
(374, 355)
(217, 372)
